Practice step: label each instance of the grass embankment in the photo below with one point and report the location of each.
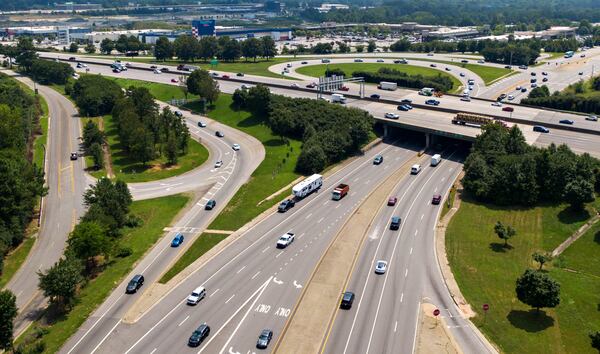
(13, 260)
(156, 214)
(488, 74)
(201, 245)
(259, 68)
(349, 68)
(131, 171)
(486, 273)
(162, 92)
(275, 172)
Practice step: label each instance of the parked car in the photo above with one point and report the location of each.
(358, 60)
(392, 201)
(311, 85)
(436, 199)
(465, 98)
(511, 97)
(497, 104)
(177, 240)
(210, 204)
(462, 74)
(286, 205)
(447, 69)
(178, 113)
(134, 284)
(380, 267)
(541, 129)
(581, 73)
(153, 67)
(294, 85)
(524, 89)
(391, 115)
(199, 335)
(264, 339)
(347, 300)
(545, 79)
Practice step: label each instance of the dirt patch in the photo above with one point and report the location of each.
(432, 334)
(163, 167)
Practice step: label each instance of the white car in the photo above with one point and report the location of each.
(497, 104)
(294, 85)
(592, 118)
(392, 115)
(481, 61)
(245, 87)
(511, 97)
(202, 124)
(198, 294)
(465, 98)
(415, 169)
(156, 71)
(380, 267)
(235, 147)
(285, 240)
(518, 88)
(218, 164)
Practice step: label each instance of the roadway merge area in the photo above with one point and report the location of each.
(251, 284)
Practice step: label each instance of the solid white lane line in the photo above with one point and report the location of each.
(255, 275)
(422, 216)
(308, 216)
(232, 296)
(406, 273)
(416, 232)
(238, 272)
(411, 250)
(395, 326)
(185, 319)
(401, 297)
(214, 292)
(153, 351)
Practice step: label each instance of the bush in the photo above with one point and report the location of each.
(123, 252)
(312, 159)
(51, 72)
(438, 82)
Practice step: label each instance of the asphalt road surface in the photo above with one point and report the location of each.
(251, 284)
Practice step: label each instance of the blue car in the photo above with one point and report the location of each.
(403, 107)
(432, 102)
(178, 240)
(541, 129)
(566, 121)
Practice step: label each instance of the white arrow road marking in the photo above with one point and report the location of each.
(298, 286)
(278, 282)
(232, 352)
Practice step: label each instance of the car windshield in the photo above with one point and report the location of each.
(264, 335)
(380, 264)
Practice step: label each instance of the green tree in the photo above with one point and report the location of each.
(231, 50)
(540, 91)
(90, 48)
(595, 338)
(171, 149)
(541, 258)
(504, 232)
(50, 72)
(92, 134)
(25, 53)
(95, 95)
(268, 48)
(202, 84)
(258, 100)
(107, 46)
(73, 48)
(143, 145)
(121, 44)
(59, 283)
(538, 290)
(95, 151)
(251, 48)
(578, 192)
(360, 48)
(372, 46)
(8, 312)
(209, 47)
(186, 48)
(111, 199)
(163, 49)
(312, 159)
(87, 241)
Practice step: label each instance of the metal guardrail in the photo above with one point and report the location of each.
(357, 97)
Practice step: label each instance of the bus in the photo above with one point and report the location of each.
(569, 54)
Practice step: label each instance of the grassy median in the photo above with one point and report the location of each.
(486, 273)
(156, 214)
(488, 74)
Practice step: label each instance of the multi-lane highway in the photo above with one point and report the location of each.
(384, 316)
(251, 284)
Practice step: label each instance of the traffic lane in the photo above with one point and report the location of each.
(370, 298)
(580, 143)
(269, 243)
(397, 323)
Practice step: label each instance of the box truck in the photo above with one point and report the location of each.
(436, 159)
(338, 97)
(390, 86)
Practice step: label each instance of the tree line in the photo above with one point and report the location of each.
(571, 99)
(503, 169)
(329, 132)
(124, 44)
(189, 48)
(439, 82)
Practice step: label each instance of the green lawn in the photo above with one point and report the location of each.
(132, 171)
(275, 172)
(162, 92)
(486, 273)
(13, 261)
(488, 74)
(260, 67)
(156, 214)
(42, 139)
(201, 245)
(349, 68)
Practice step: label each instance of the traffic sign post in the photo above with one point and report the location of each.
(486, 307)
(436, 313)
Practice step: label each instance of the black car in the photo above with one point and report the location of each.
(199, 335)
(178, 113)
(74, 156)
(286, 205)
(165, 70)
(403, 107)
(304, 62)
(347, 300)
(239, 74)
(507, 67)
(210, 204)
(375, 96)
(264, 339)
(545, 79)
(153, 67)
(134, 284)
(219, 134)
(524, 89)
(502, 96)
(406, 100)
(72, 59)
(566, 121)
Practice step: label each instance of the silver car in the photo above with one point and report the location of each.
(380, 267)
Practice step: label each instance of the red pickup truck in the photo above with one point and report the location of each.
(340, 191)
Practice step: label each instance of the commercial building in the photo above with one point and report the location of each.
(63, 34)
(324, 8)
(446, 33)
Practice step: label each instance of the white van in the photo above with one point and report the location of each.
(198, 294)
(415, 169)
(436, 159)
